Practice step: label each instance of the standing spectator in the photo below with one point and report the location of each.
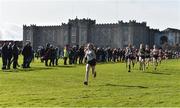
(57, 54)
(4, 55)
(37, 54)
(42, 53)
(98, 54)
(71, 56)
(81, 54)
(52, 55)
(121, 55)
(75, 49)
(66, 55)
(27, 53)
(114, 54)
(15, 53)
(9, 55)
(103, 55)
(109, 51)
(47, 54)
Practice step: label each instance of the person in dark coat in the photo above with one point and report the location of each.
(9, 55)
(81, 54)
(71, 56)
(52, 55)
(47, 54)
(15, 53)
(27, 53)
(57, 54)
(75, 49)
(4, 52)
(109, 54)
(114, 54)
(42, 53)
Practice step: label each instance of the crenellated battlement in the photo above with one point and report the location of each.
(50, 26)
(24, 25)
(135, 23)
(121, 23)
(45, 26)
(81, 31)
(157, 30)
(88, 21)
(109, 25)
(33, 25)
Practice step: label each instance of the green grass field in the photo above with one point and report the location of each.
(42, 86)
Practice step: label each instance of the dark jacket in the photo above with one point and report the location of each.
(15, 50)
(27, 51)
(4, 51)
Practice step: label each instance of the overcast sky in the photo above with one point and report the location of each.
(158, 14)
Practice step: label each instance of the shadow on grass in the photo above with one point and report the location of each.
(158, 73)
(34, 69)
(66, 66)
(102, 63)
(130, 86)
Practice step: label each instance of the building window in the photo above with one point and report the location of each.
(163, 40)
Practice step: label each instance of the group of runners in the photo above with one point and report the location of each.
(144, 56)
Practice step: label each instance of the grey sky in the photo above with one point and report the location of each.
(13, 13)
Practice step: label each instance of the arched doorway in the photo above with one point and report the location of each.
(163, 40)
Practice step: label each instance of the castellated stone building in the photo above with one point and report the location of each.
(82, 31)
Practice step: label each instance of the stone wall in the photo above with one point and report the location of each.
(172, 35)
(82, 31)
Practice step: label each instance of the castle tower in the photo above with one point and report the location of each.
(120, 26)
(24, 34)
(131, 31)
(79, 31)
(29, 34)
